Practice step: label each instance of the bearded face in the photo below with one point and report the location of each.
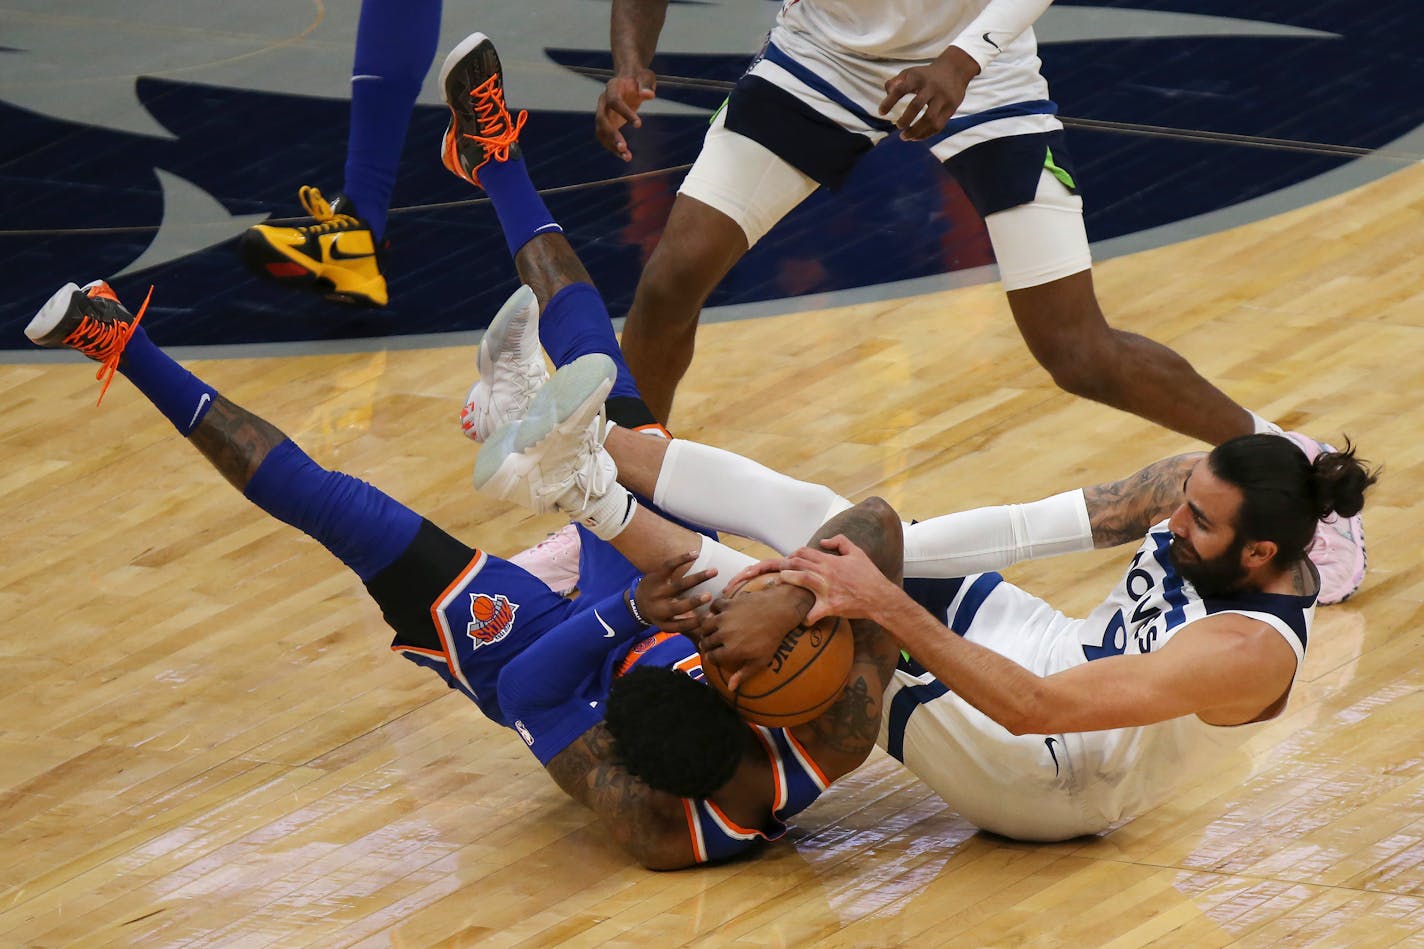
(1215, 576)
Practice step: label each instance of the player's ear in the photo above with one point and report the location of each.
(1258, 553)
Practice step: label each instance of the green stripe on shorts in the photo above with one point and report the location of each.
(1057, 172)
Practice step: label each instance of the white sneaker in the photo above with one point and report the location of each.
(511, 368)
(1338, 550)
(555, 560)
(553, 458)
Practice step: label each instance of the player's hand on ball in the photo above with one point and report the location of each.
(844, 580)
(741, 633)
(663, 597)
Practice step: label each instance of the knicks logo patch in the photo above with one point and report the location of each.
(491, 618)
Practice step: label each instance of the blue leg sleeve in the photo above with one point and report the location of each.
(361, 525)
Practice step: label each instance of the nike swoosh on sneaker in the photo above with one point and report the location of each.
(336, 253)
(601, 622)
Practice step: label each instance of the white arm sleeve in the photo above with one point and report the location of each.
(999, 24)
(727, 492)
(992, 538)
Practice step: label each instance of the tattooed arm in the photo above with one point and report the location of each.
(1122, 511)
(841, 737)
(649, 825)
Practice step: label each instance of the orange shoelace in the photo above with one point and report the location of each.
(105, 341)
(492, 113)
(320, 208)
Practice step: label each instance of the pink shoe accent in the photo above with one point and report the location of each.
(1338, 550)
(554, 560)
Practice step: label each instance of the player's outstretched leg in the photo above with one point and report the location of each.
(359, 524)
(481, 146)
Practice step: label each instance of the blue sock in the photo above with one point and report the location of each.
(520, 210)
(358, 523)
(182, 397)
(395, 44)
(576, 323)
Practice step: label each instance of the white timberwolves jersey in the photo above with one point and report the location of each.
(836, 55)
(903, 30)
(1051, 787)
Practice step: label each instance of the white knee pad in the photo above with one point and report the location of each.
(1042, 241)
(744, 180)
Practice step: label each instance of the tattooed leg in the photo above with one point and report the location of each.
(360, 525)
(235, 441)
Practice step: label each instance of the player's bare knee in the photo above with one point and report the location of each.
(1087, 371)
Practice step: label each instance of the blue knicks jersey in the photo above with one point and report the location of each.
(1153, 602)
(797, 781)
(715, 836)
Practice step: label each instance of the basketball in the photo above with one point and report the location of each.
(805, 676)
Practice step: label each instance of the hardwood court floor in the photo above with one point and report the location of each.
(204, 741)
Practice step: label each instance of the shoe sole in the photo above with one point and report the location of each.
(449, 156)
(572, 398)
(49, 315)
(568, 401)
(493, 342)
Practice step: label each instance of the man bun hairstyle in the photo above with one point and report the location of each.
(1285, 494)
(1340, 480)
(672, 732)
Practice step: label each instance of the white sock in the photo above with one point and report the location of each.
(729, 493)
(1263, 426)
(606, 516)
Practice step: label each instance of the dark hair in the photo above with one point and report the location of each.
(1284, 493)
(674, 733)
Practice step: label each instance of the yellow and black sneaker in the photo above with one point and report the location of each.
(337, 254)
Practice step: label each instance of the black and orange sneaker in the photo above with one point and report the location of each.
(336, 255)
(481, 127)
(90, 320)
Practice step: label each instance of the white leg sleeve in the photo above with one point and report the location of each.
(727, 492)
(992, 538)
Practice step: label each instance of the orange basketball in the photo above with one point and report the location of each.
(806, 675)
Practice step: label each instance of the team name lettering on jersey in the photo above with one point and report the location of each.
(491, 618)
(1142, 587)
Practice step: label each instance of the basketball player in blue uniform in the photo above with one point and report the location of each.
(603, 690)
(1027, 722)
(834, 79)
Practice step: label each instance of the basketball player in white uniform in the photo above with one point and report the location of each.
(1027, 722)
(836, 77)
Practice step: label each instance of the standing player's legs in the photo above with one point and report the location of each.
(1023, 186)
(339, 253)
(395, 45)
(736, 191)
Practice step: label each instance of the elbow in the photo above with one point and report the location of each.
(1031, 712)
